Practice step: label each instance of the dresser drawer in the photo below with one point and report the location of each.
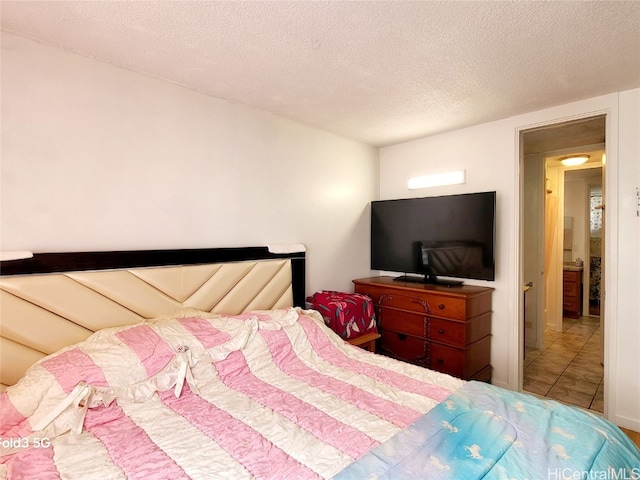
(572, 293)
(402, 322)
(444, 331)
(453, 308)
(571, 304)
(459, 334)
(460, 362)
(447, 360)
(571, 289)
(404, 347)
(373, 291)
(571, 275)
(403, 302)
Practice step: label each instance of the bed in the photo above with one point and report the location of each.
(205, 364)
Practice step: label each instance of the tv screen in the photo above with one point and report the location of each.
(449, 236)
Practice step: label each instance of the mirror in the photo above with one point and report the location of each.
(568, 239)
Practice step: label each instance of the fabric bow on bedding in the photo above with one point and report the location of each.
(69, 414)
(81, 398)
(186, 361)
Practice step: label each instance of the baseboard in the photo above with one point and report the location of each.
(501, 385)
(626, 422)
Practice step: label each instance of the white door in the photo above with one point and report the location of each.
(533, 251)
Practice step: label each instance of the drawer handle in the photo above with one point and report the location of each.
(402, 336)
(441, 361)
(441, 306)
(441, 331)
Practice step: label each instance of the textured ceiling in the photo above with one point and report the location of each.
(377, 72)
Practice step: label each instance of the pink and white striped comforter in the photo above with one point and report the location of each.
(260, 395)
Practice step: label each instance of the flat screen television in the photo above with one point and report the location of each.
(448, 236)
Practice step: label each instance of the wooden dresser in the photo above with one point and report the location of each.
(447, 329)
(572, 292)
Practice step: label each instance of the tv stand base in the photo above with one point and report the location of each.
(428, 281)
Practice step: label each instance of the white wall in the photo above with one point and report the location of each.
(95, 157)
(490, 155)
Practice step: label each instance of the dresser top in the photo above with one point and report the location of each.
(466, 290)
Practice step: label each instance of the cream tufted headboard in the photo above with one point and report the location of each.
(54, 300)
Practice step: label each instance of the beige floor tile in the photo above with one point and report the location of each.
(536, 386)
(571, 385)
(530, 355)
(569, 368)
(634, 436)
(567, 396)
(579, 373)
(553, 363)
(541, 374)
(588, 361)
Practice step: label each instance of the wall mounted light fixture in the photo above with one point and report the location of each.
(437, 180)
(574, 160)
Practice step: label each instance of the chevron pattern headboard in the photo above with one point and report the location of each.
(46, 310)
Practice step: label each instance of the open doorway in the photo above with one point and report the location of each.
(563, 262)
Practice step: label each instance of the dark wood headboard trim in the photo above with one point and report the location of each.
(110, 260)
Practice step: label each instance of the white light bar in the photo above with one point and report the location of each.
(437, 180)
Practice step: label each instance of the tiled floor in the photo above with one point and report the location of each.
(569, 368)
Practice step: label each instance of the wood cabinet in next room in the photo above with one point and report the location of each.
(447, 329)
(572, 292)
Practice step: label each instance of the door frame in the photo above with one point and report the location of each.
(608, 287)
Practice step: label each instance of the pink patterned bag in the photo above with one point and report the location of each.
(348, 314)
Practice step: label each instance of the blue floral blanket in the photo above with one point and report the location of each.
(482, 431)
